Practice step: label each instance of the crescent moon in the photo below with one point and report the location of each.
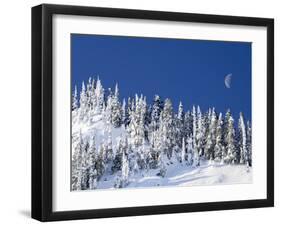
(227, 80)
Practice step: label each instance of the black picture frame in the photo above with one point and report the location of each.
(42, 111)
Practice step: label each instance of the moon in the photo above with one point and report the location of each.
(227, 80)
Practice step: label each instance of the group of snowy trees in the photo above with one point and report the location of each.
(155, 135)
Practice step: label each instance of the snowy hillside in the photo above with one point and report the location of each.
(135, 144)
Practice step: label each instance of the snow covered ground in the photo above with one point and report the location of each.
(182, 175)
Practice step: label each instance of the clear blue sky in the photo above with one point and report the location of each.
(191, 71)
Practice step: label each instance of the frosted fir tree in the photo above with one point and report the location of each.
(93, 95)
(200, 132)
(243, 140)
(249, 145)
(188, 124)
(116, 111)
(109, 149)
(195, 154)
(189, 151)
(99, 93)
(74, 99)
(156, 149)
(93, 183)
(183, 150)
(92, 162)
(157, 108)
(136, 127)
(77, 163)
(167, 127)
(180, 114)
(124, 113)
(125, 170)
(163, 168)
(101, 161)
(89, 94)
(143, 124)
(83, 102)
(229, 139)
(84, 166)
(142, 156)
(179, 128)
(117, 161)
(211, 137)
(206, 121)
(218, 151)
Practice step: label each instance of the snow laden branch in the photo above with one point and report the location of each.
(114, 140)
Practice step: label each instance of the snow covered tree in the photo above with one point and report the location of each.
(242, 142)
(180, 114)
(195, 154)
(163, 169)
(92, 161)
(116, 110)
(136, 127)
(249, 145)
(179, 128)
(101, 161)
(124, 113)
(125, 170)
(211, 137)
(74, 99)
(93, 179)
(99, 94)
(200, 132)
(229, 139)
(108, 147)
(83, 102)
(157, 108)
(218, 150)
(117, 161)
(189, 151)
(188, 124)
(183, 150)
(155, 150)
(167, 128)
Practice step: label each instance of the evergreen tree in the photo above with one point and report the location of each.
(195, 154)
(218, 151)
(242, 140)
(166, 127)
(157, 108)
(211, 137)
(83, 102)
(180, 114)
(125, 170)
(99, 94)
(249, 145)
(183, 150)
(200, 132)
(92, 161)
(188, 124)
(190, 151)
(116, 111)
(101, 161)
(229, 139)
(124, 113)
(74, 100)
(179, 127)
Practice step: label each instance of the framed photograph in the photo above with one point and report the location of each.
(146, 112)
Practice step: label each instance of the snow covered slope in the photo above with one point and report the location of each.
(177, 174)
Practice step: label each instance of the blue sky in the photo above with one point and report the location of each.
(191, 71)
